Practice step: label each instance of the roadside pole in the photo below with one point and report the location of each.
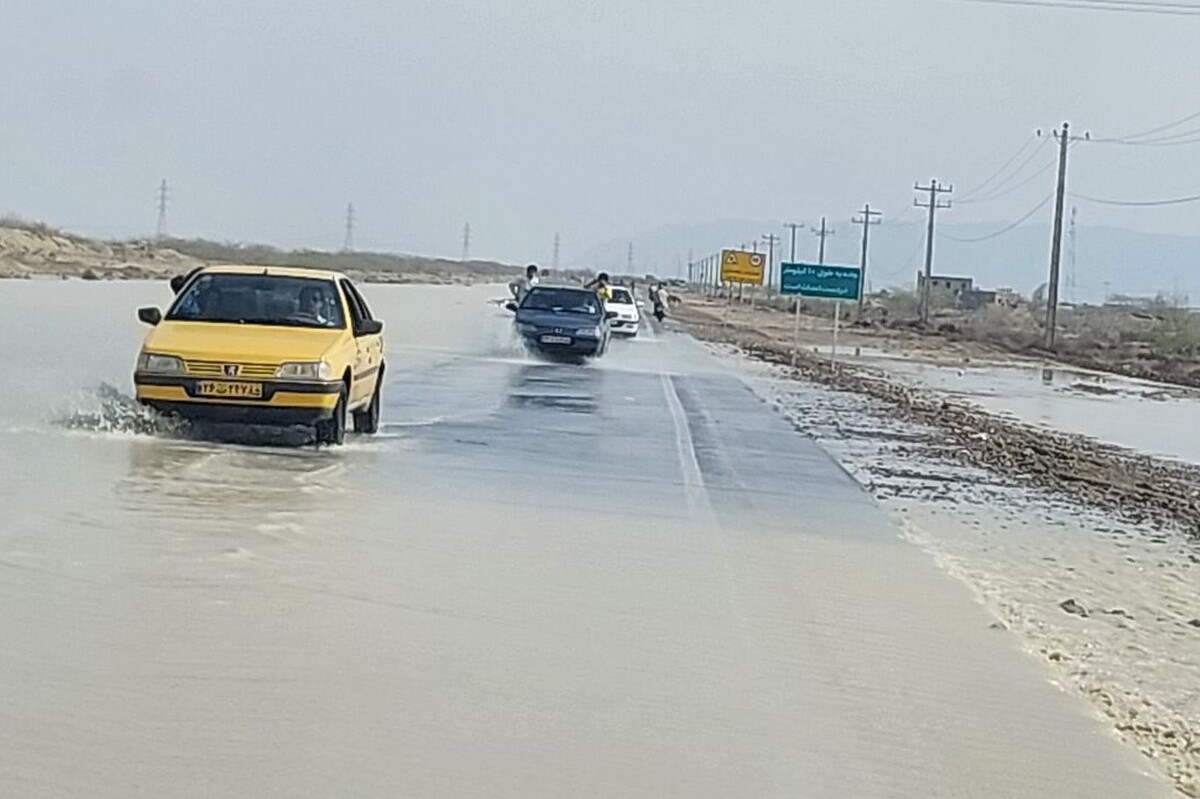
(796, 329)
(866, 220)
(837, 315)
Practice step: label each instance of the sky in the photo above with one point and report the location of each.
(596, 120)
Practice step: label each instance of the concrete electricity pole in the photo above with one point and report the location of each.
(771, 240)
(160, 232)
(933, 205)
(824, 232)
(866, 219)
(792, 226)
(554, 260)
(349, 242)
(466, 242)
(629, 259)
(1064, 139)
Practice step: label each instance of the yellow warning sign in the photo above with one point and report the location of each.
(739, 266)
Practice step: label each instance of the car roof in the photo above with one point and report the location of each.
(273, 271)
(558, 286)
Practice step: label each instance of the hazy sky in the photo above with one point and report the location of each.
(596, 119)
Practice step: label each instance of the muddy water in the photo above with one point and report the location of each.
(1113, 609)
(1148, 417)
(540, 580)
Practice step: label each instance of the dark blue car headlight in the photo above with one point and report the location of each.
(526, 328)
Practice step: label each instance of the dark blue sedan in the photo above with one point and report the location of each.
(565, 321)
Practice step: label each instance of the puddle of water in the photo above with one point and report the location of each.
(1151, 418)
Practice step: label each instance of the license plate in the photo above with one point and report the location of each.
(219, 388)
(556, 339)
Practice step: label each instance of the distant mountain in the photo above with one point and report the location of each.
(1103, 260)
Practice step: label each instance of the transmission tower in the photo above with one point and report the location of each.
(349, 242)
(466, 256)
(160, 232)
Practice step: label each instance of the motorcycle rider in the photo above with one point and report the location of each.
(660, 297)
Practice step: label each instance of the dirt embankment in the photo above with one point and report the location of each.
(30, 250)
(1138, 488)
(38, 252)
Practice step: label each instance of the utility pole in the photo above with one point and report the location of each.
(349, 242)
(1064, 139)
(771, 240)
(629, 259)
(866, 218)
(160, 232)
(466, 242)
(933, 205)
(554, 260)
(792, 226)
(824, 232)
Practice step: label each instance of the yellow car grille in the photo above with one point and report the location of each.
(257, 371)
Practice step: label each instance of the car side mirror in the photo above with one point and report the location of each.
(370, 327)
(151, 316)
(510, 305)
(611, 314)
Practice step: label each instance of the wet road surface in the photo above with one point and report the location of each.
(630, 578)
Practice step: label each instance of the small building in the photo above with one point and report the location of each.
(955, 287)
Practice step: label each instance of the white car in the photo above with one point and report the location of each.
(628, 319)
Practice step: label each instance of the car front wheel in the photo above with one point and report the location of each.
(333, 431)
(367, 420)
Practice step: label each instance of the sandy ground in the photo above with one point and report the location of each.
(630, 578)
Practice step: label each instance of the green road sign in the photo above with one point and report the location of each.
(820, 280)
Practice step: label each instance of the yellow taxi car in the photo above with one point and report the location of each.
(265, 345)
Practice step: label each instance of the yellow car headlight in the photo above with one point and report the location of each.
(159, 364)
(305, 370)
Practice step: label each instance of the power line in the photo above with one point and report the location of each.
(1004, 230)
(1000, 171)
(1137, 203)
(1127, 6)
(1161, 128)
(1004, 188)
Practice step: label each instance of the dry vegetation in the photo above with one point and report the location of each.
(1156, 342)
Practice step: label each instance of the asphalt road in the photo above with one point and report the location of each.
(628, 578)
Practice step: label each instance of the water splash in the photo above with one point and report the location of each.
(117, 412)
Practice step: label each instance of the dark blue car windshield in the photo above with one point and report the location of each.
(562, 301)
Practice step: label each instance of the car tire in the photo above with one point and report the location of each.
(333, 431)
(367, 421)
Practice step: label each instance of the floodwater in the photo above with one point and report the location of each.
(627, 578)
(1152, 418)
(1112, 608)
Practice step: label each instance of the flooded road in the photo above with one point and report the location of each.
(629, 578)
